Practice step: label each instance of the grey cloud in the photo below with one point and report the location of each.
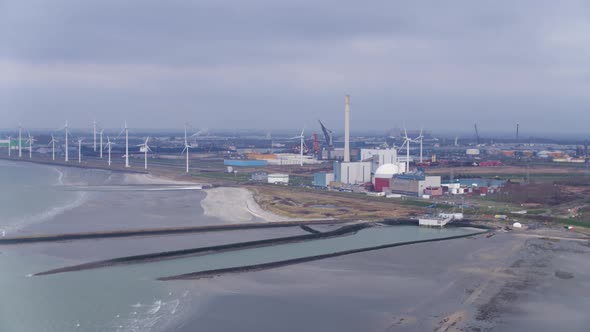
(277, 63)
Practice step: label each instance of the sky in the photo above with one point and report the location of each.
(277, 65)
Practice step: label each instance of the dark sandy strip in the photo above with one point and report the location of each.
(153, 257)
(271, 265)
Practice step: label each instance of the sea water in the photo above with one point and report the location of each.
(123, 298)
(31, 194)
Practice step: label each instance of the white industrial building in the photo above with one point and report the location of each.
(383, 156)
(278, 178)
(352, 173)
(413, 184)
(291, 159)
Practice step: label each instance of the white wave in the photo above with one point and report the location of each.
(155, 307)
(46, 215)
(60, 177)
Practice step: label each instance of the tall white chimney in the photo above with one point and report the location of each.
(347, 129)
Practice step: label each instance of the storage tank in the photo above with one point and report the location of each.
(472, 152)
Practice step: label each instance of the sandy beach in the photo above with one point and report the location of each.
(236, 205)
(505, 282)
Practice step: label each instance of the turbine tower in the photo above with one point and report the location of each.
(420, 139)
(101, 131)
(301, 138)
(108, 146)
(79, 151)
(407, 141)
(94, 132)
(20, 153)
(66, 127)
(30, 141)
(9, 142)
(186, 148)
(52, 142)
(126, 145)
(146, 149)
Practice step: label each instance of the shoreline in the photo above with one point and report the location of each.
(234, 204)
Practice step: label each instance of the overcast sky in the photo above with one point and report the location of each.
(285, 64)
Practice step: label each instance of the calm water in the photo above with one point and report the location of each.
(125, 298)
(31, 194)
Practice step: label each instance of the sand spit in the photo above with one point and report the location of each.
(236, 205)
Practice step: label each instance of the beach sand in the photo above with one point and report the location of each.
(236, 205)
(505, 282)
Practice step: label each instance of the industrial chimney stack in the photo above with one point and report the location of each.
(347, 129)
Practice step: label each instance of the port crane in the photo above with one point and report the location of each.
(328, 135)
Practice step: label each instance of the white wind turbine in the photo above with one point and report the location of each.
(67, 133)
(420, 139)
(301, 138)
(20, 153)
(145, 147)
(80, 150)
(52, 142)
(108, 146)
(30, 141)
(101, 132)
(407, 141)
(186, 148)
(126, 145)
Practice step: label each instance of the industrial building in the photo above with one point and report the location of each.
(278, 178)
(322, 179)
(352, 173)
(413, 184)
(384, 174)
(379, 157)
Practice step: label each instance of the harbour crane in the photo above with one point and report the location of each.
(328, 135)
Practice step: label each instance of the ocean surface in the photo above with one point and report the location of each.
(35, 199)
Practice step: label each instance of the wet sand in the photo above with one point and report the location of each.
(507, 282)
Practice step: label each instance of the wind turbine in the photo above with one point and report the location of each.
(420, 139)
(108, 146)
(126, 145)
(407, 141)
(94, 132)
(146, 149)
(101, 131)
(186, 148)
(30, 141)
(80, 150)
(302, 138)
(66, 138)
(52, 142)
(20, 153)
(9, 147)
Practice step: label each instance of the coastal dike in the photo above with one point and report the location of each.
(163, 231)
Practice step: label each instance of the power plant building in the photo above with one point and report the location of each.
(384, 174)
(413, 184)
(352, 173)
